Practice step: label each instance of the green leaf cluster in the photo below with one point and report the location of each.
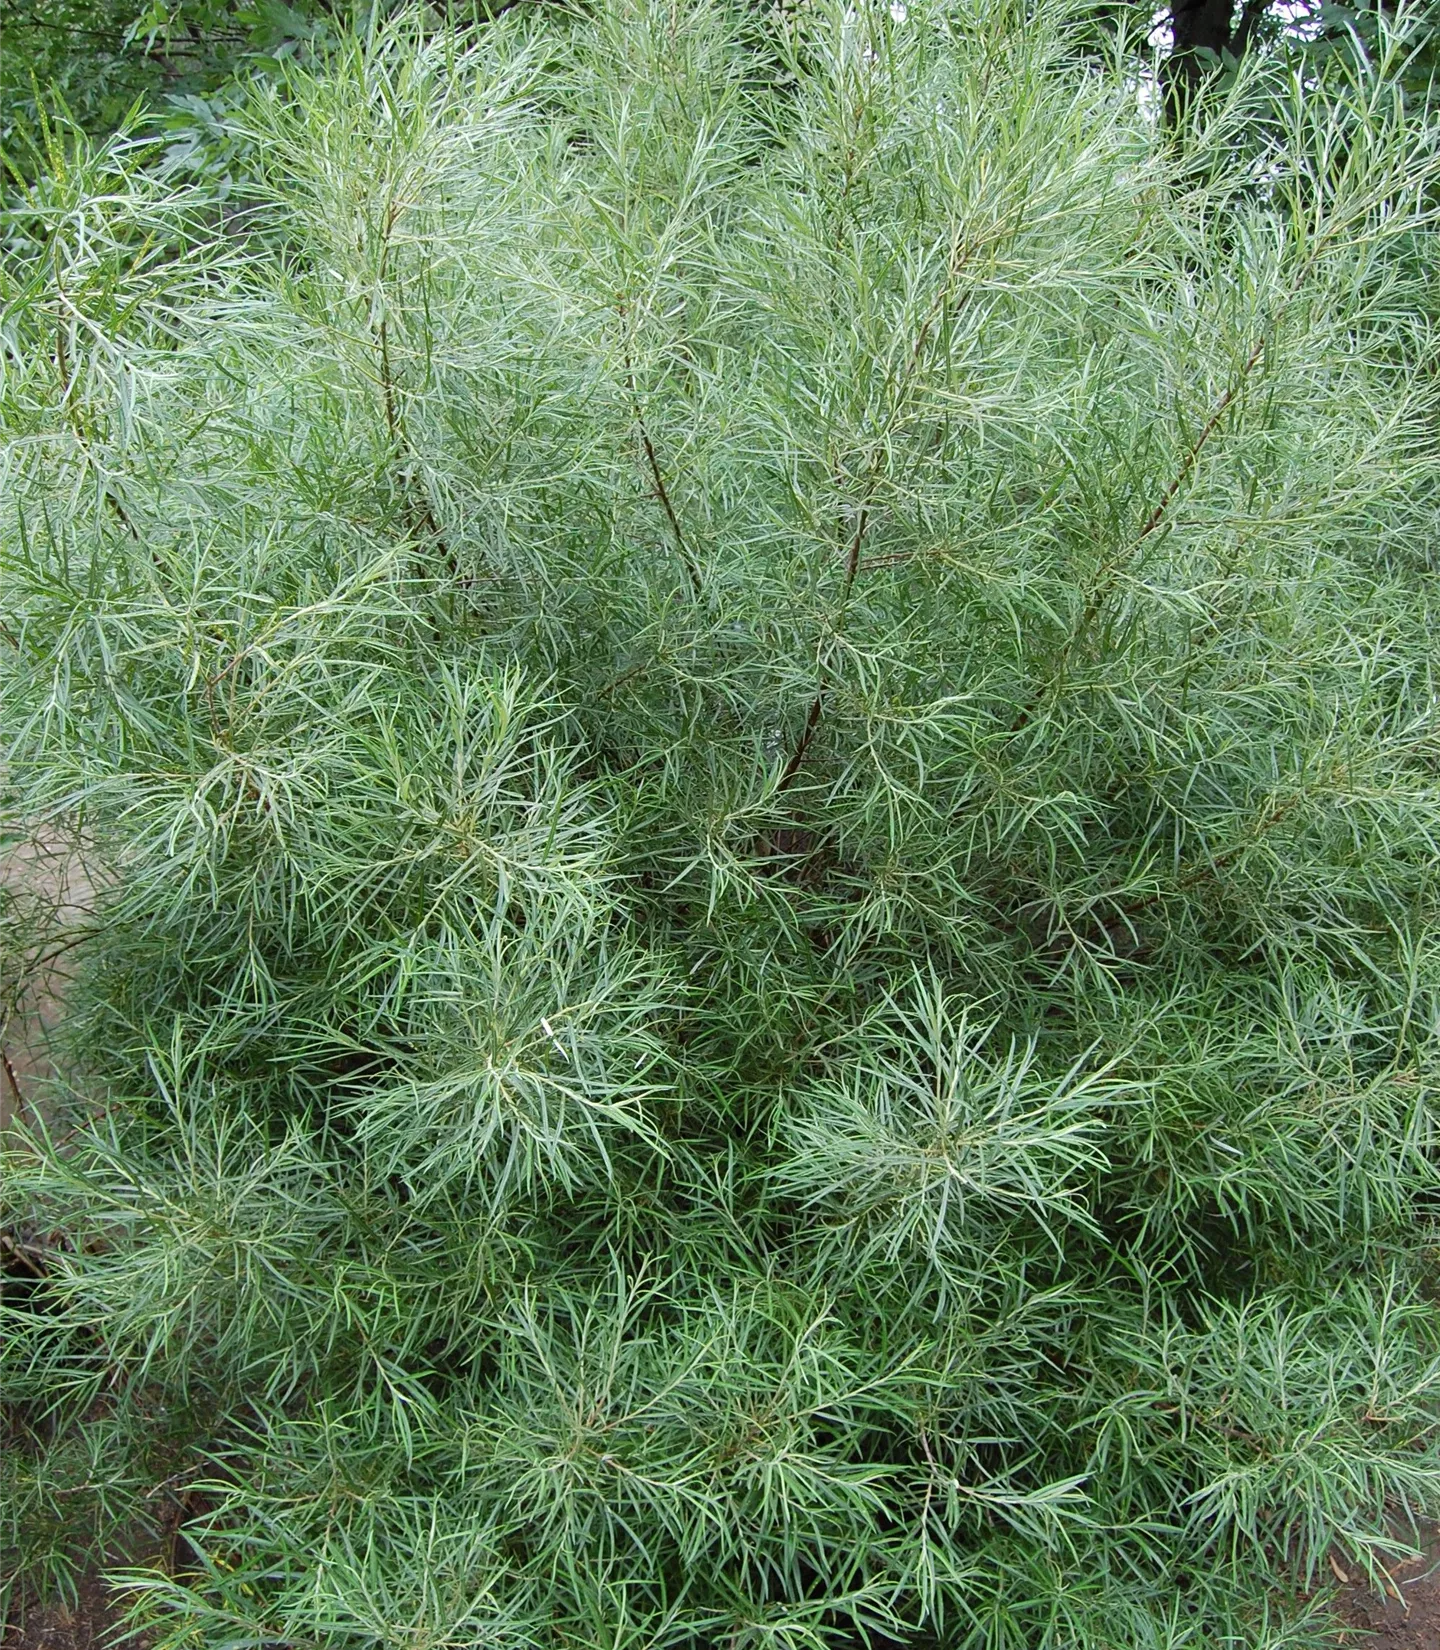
(758, 755)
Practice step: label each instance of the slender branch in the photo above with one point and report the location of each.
(122, 515)
(1210, 869)
(1177, 481)
(23, 1255)
(387, 380)
(807, 733)
(961, 253)
(657, 479)
(1103, 585)
(417, 499)
(852, 560)
(617, 682)
(663, 495)
(28, 20)
(852, 569)
(13, 1084)
(74, 418)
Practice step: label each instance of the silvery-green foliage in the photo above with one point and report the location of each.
(749, 701)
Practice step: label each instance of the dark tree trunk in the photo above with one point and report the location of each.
(1198, 27)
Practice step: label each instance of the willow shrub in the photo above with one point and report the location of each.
(753, 708)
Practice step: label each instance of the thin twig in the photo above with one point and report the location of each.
(77, 424)
(21, 1253)
(817, 704)
(617, 682)
(416, 497)
(807, 733)
(961, 253)
(852, 560)
(657, 479)
(21, 1104)
(1106, 581)
(387, 382)
(1157, 515)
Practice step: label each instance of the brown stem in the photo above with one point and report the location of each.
(1210, 870)
(616, 683)
(807, 733)
(852, 560)
(185, 1506)
(657, 480)
(1106, 581)
(62, 360)
(387, 381)
(13, 1084)
(22, 1255)
(77, 424)
(122, 515)
(1275, 815)
(961, 253)
(817, 705)
(417, 501)
(1157, 515)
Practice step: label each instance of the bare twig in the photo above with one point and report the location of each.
(1105, 582)
(961, 253)
(22, 1255)
(1197, 446)
(417, 498)
(657, 479)
(807, 733)
(12, 1082)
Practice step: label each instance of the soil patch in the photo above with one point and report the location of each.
(46, 892)
(1407, 1617)
(90, 1625)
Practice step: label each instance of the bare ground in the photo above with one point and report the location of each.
(89, 1625)
(1405, 1617)
(48, 889)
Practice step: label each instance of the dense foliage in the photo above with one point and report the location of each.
(752, 711)
(102, 62)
